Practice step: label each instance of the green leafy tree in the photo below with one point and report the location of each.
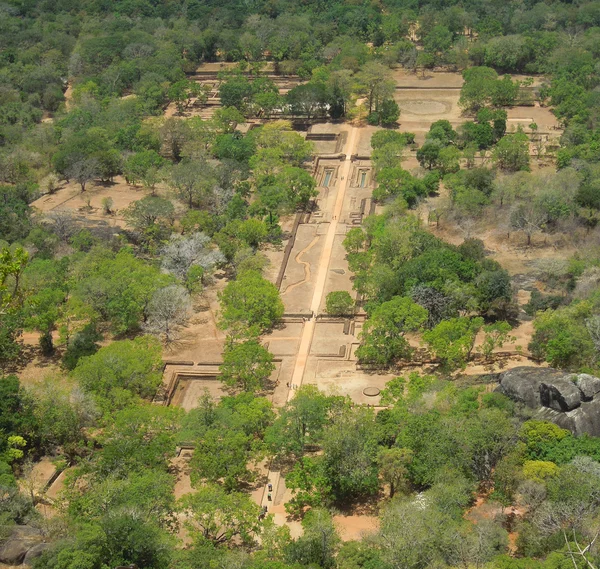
(246, 365)
(227, 438)
(375, 83)
(221, 517)
(477, 88)
(250, 303)
(138, 165)
(393, 464)
(355, 240)
(350, 454)
(383, 340)
(192, 181)
(149, 213)
(300, 422)
(389, 112)
(235, 92)
(117, 288)
(451, 341)
(126, 366)
(496, 335)
(319, 542)
(139, 438)
(512, 152)
(339, 303)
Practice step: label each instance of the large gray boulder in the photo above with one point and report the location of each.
(35, 552)
(571, 401)
(560, 394)
(522, 384)
(587, 384)
(21, 540)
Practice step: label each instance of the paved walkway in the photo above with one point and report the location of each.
(322, 270)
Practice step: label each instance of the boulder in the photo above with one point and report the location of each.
(560, 394)
(571, 401)
(522, 384)
(14, 550)
(21, 540)
(587, 384)
(35, 552)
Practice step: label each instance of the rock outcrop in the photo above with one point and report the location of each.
(23, 545)
(572, 401)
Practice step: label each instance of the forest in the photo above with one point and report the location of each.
(179, 130)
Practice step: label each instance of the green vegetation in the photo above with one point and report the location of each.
(110, 289)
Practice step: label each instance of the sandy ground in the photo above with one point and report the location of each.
(86, 207)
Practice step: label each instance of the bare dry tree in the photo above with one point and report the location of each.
(169, 310)
(581, 553)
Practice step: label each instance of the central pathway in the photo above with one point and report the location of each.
(321, 271)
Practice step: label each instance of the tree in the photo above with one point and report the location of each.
(425, 61)
(182, 92)
(383, 340)
(149, 212)
(451, 341)
(83, 171)
(375, 83)
(393, 464)
(355, 240)
(505, 91)
(247, 365)
(183, 253)
(220, 517)
(138, 165)
(84, 343)
(319, 542)
(133, 366)
(169, 310)
(192, 181)
(477, 89)
(448, 160)
(339, 303)
(438, 40)
(439, 306)
(227, 438)
(389, 112)
(299, 185)
(300, 422)
(429, 153)
(42, 313)
(350, 454)
(12, 265)
(308, 99)
(250, 303)
(512, 152)
(61, 413)
(139, 438)
(529, 218)
(235, 92)
(113, 288)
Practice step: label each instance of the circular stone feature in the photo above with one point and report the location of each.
(371, 391)
(424, 107)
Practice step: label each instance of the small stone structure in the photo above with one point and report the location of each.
(570, 400)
